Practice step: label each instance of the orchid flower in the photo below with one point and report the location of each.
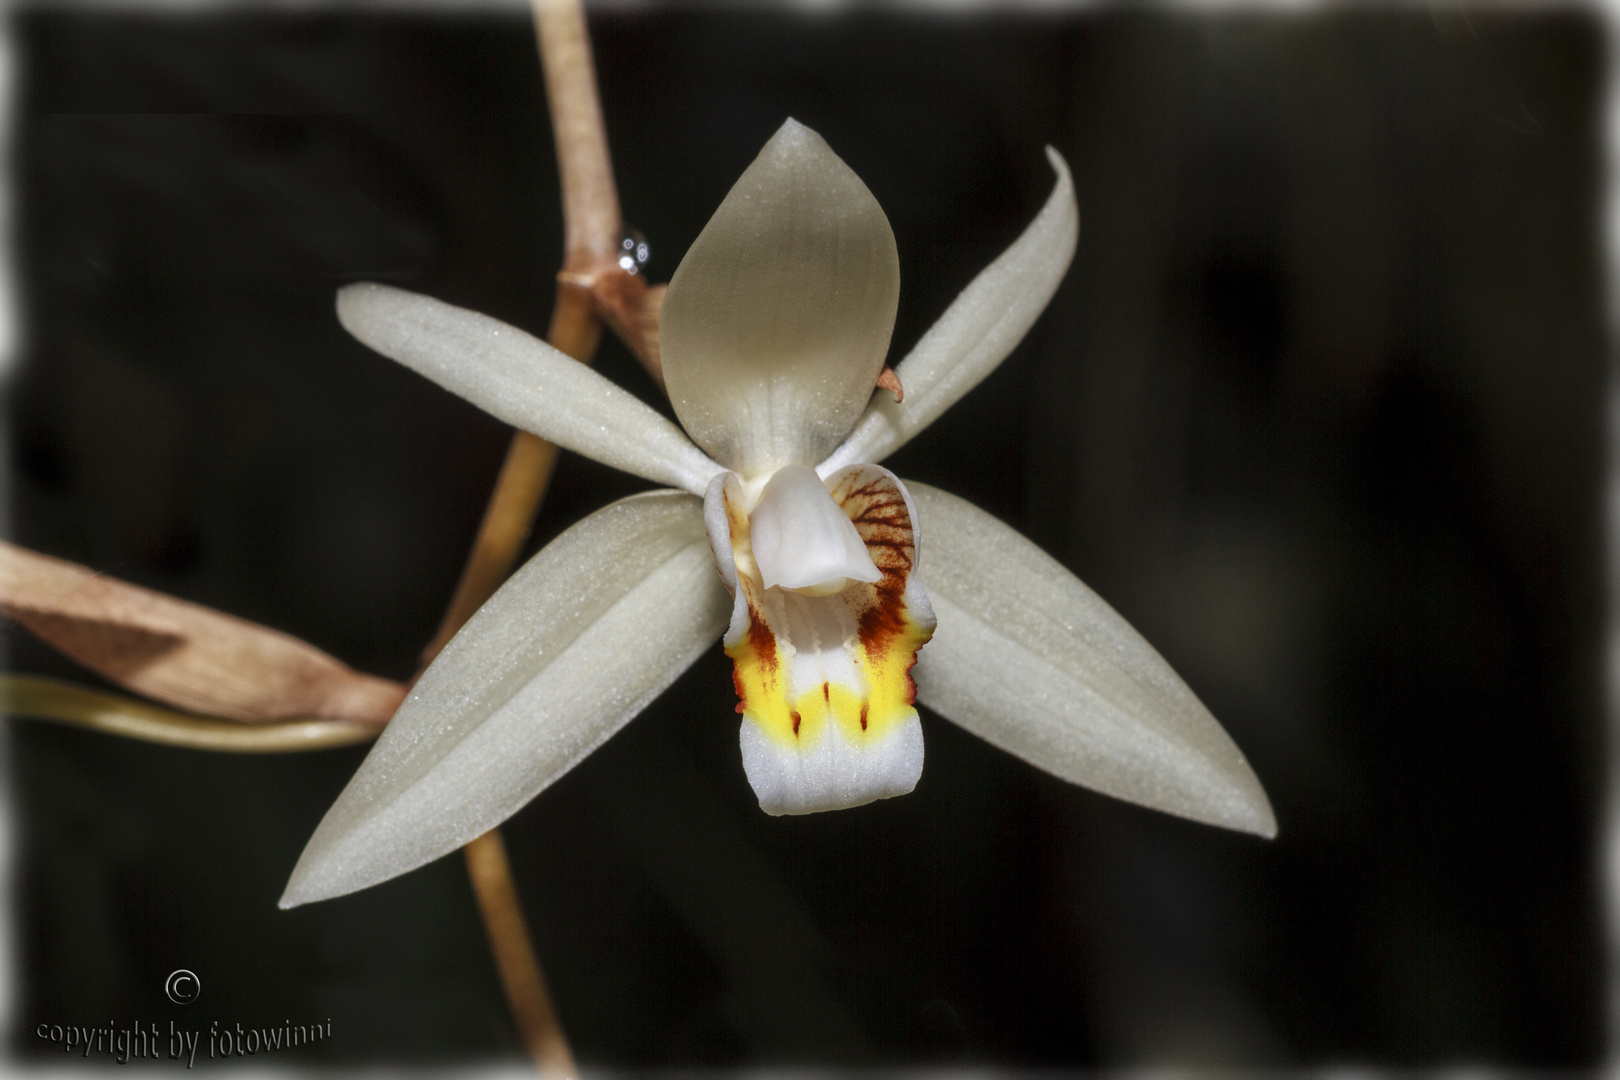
(774, 332)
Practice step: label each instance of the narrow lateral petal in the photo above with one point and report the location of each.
(574, 645)
(777, 322)
(523, 381)
(978, 330)
(1028, 658)
(824, 681)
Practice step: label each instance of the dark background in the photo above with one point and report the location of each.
(1318, 408)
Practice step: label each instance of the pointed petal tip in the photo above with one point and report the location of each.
(793, 142)
(1062, 208)
(1059, 165)
(792, 129)
(1248, 812)
(303, 888)
(1232, 796)
(295, 894)
(1263, 822)
(794, 139)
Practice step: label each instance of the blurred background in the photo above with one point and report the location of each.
(1319, 409)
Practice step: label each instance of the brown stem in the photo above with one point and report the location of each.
(630, 306)
(591, 222)
(521, 978)
(590, 200)
(592, 227)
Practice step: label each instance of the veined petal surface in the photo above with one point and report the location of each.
(523, 381)
(580, 640)
(1029, 659)
(777, 322)
(978, 330)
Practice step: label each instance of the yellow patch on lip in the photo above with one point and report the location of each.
(862, 713)
(871, 691)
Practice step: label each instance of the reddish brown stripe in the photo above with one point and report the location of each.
(761, 640)
(880, 624)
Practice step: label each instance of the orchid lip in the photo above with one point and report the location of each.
(823, 672)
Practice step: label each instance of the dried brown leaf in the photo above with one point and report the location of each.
(182, 653)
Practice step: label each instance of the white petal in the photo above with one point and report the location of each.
(776, 323)
(578, 641)
(802, 539)
(523, 381)
(1031, 660)
(978, 330)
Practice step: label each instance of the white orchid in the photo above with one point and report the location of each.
(774, 333)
